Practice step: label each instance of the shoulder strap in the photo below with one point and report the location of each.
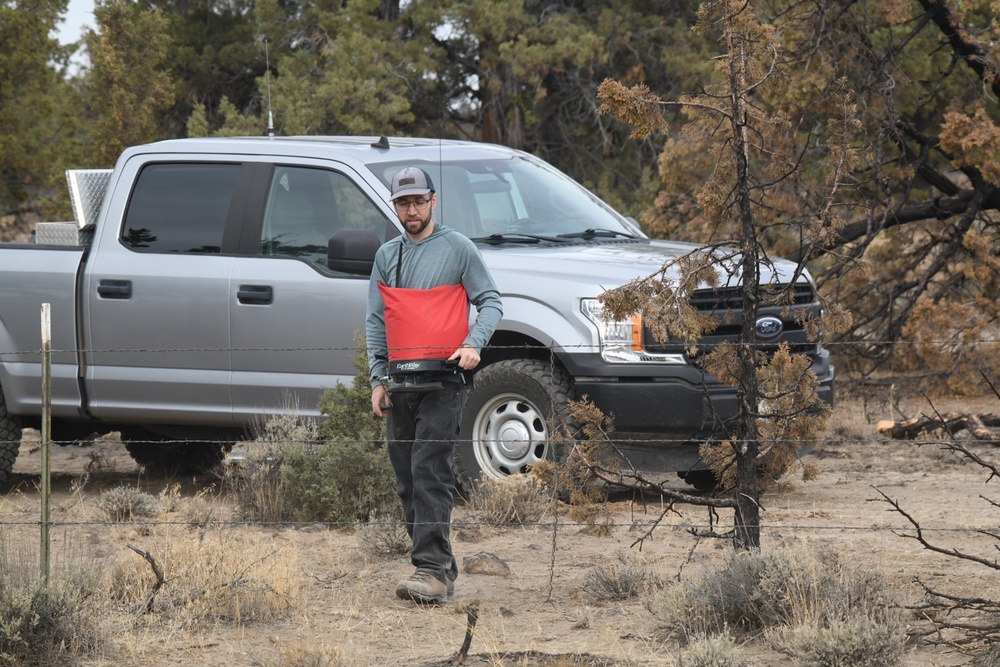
(399, 265)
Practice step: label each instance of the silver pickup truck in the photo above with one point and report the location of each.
(208, 282)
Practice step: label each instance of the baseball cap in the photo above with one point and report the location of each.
(410, 181)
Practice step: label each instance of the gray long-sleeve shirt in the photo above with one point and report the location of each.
(446, 257)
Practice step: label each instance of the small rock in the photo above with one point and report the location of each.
(485, 563)
(468, 533)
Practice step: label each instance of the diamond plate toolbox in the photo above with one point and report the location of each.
(86, 192)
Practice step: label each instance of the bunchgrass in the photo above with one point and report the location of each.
(516, 500)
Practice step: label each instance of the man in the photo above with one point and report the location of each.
(413, 276)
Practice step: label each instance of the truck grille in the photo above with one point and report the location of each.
(730, 298)
(727, 302)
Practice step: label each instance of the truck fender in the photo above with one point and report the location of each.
(541, 321)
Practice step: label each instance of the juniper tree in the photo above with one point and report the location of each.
(743, 137)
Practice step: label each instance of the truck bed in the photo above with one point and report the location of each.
(31, 275)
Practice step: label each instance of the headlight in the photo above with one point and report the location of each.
(621, 340)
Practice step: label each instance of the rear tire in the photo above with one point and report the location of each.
(513, 419)
(181, 458)
(10, 439)
(702, 480)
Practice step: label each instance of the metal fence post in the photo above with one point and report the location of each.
(45, 547)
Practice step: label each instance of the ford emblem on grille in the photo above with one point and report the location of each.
(768, 327)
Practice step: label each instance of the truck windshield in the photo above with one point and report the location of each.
(483, 198)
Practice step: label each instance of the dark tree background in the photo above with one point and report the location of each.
(908, 242)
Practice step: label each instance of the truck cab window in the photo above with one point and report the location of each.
(306, 206)
(180, 208)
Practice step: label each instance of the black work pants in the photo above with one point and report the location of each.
(422, 429)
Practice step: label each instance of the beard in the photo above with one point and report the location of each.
(415, 225)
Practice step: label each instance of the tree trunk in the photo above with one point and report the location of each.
(746, 526)
(503, 118)
(388, 10)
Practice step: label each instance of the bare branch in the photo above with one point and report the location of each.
(919, 537)
(147, 606)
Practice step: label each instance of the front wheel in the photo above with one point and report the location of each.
(517, 415)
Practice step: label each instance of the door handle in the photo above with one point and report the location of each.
(115, 289)
(255, 294)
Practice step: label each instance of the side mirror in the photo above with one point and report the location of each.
(352, 251)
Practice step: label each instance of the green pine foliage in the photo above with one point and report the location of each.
(349, 477)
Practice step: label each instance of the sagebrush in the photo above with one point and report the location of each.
(255, 481)
(48, 626)
(384, 536)
(811, 604)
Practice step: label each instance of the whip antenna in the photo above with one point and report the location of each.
(267, 74)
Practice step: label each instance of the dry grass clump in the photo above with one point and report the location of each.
(516, 500)
(297, 655)
(125, 503)
(384, 536)
(616, 582)
(221, 575)
(713, 651)
(809, 605)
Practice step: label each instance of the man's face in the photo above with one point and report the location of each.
(415, 212)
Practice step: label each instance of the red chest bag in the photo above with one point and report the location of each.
(423, 326)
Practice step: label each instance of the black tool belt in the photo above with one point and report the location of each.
(420, 375)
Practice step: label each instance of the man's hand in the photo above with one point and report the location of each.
(467, 357)
(380, 401)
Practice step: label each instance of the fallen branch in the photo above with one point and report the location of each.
(160, 581)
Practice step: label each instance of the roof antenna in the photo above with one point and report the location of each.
(267, 64)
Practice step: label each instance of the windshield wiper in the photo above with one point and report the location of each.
(515, 237)
(597, 233)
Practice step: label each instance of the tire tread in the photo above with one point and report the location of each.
(10, 439)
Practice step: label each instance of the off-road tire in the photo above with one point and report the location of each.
(702, 480)
(174, 458)
(10, 439)
(517, 414)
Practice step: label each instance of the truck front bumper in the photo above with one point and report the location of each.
(677, 408)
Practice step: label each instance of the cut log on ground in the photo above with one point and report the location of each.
(985, 427)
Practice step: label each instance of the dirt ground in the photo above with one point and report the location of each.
(347, 607)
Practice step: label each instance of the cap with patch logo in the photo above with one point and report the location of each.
(411, 181)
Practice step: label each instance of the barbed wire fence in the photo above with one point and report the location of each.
(75, 538)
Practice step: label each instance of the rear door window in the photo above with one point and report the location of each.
(180, 208)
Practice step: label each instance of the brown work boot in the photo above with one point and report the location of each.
(424, 587)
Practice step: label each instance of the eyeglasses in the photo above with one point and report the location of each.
(403, 205)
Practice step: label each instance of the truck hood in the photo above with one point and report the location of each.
(601, 265)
